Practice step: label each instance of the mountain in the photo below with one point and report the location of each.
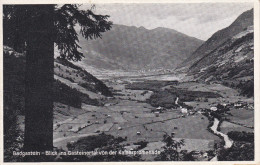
(132, 48)
(218, 38)
(231, 63)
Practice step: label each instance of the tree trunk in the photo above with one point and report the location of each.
(39, 78)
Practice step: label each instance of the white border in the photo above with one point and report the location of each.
(256, 75)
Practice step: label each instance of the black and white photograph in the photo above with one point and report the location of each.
(129, 82)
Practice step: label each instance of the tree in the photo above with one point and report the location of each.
(240, 151)
(36, 29)
(170, 150)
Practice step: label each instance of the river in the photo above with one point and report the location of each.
(227, 140)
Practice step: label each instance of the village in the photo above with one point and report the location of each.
(127, 115)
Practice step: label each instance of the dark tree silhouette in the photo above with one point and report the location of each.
(170, 150)
(36, 29)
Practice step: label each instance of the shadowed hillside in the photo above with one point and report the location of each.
(64, 92)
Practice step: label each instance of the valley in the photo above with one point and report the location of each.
(129, 115)
(146, 90)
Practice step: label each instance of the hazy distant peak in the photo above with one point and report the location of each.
(142, 28)
(164, 29)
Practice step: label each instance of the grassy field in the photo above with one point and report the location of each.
(192, 127)
(242, 116)
(123, 117)
(228, 127)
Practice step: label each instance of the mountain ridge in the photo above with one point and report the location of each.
(239, 24)
(134, 48)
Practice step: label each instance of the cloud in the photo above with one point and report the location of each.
(200, 20)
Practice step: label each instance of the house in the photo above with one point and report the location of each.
(159, 108)
(138, 133)
(156, 114)
(107, 104)
(224, 104)
(213, 108)
(192, 113)
(184, 110)
(238, 105)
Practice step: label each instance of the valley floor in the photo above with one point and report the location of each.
(129, 115)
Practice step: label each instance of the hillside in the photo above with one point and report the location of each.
(72, 85)
(232, 63)
(79, 78)
(132, 48)
(218, 38)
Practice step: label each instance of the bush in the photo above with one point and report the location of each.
(166, 98)
(66, 95)
(101, 142)
(240, 151)
(241, 136)
(142, 144)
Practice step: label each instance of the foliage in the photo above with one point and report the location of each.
(170, 150)
(101, 142)
(66, 63)
(17, 18)
(187, 156)
(163, 99)
(14, 69)
(13, 140)
(249, 36)
(166, 98)
(14, 76)
(91, 83)
(66, 95)
(241, 136)
(99, 86)
(153, 85)
(13, 104)
(242, 148)
(142, 144)
(26, 29)
(70, 96)
(240, 151)
(246, 88)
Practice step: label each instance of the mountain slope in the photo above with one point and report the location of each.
(218, 38)
(78, 78)
(68, 88)
(132, 48)
(232, 63)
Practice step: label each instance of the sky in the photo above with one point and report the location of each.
(199, 20)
